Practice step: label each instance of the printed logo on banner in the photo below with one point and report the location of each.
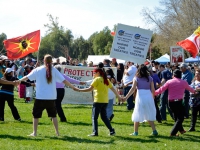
(121, 32)
(137, 36)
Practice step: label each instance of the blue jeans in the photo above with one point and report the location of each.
(163, 105)
(109, 108)
(130, 104)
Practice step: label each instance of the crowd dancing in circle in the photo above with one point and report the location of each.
(143, 87)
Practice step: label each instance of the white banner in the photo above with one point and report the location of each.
(131, 43)
(81, 74)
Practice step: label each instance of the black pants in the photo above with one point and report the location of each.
(186, 103)
(99, 108)
(194, 116)
(10, 100)
(177, 109)
(60, 96)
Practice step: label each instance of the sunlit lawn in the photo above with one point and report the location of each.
(13, 134)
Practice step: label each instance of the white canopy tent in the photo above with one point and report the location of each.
(163, 59)
(99, 58)
(62, 59)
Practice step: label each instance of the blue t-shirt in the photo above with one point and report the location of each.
(187, 76)
(166, 74)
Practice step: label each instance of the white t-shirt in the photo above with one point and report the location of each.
(43, 89)
(131, 71)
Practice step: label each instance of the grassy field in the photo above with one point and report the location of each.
(13, 134)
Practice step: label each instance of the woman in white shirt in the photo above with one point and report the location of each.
(46, 77)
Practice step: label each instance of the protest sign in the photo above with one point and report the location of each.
(131, 43)
(82, 74)
(176, 54)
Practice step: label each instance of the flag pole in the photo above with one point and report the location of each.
(38, 51)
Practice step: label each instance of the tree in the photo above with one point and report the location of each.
(102, 42)
(2, 38)
(174, 21)
(56, 36)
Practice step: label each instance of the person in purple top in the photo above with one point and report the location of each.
(144, 103)
(60, 87)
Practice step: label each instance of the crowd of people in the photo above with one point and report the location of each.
(147, 89)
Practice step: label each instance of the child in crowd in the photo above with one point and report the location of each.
(29, 88)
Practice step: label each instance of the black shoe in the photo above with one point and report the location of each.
(19, 119)
(93, 134)
(191, 129)
(112, 133)
(111, 117)
(63, 120)
(1, 119)
(159, 121)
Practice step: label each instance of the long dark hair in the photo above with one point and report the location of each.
(143, 72)
(102, 72)
(48, 64)
(110, 72)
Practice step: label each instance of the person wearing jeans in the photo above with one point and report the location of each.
(100, 85)
(165, 76)
(127, 81)
(187, 76)
(195, 100)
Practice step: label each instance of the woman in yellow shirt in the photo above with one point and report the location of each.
(100, 86)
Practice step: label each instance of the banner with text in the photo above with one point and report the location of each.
(82, 74)
(131, 43)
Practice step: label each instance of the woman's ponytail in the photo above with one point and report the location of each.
(48, 64)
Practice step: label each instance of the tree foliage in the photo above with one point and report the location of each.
(174, 20)
(2, 38)
(99, 43)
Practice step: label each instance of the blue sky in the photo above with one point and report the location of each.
(82, 17)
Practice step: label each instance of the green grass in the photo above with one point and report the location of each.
(13, 134)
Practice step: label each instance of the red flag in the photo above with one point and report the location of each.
(23, 45)
(192, 43)
(112, 33)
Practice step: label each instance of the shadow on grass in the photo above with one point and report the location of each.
(80, 123)
(155, 139)
(40, 123)
(91, 140)
(77, 106)
(4, 136)
(152, 139)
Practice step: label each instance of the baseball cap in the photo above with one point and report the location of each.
(3, 57)
(8, 70)
(183, 65)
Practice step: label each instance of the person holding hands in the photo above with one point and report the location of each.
(100, 86)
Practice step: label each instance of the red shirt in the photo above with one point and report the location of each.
(176, 88)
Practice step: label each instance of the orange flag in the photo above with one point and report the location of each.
(192, 43)
(23, 45)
